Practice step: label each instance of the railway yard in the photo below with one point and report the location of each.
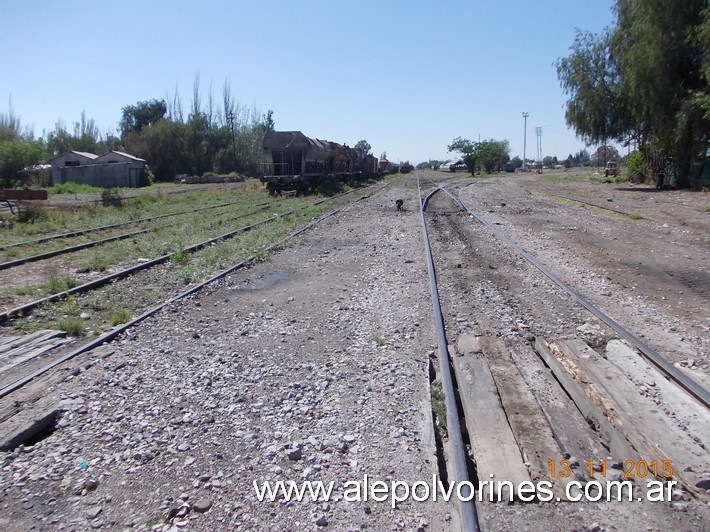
(313, 355)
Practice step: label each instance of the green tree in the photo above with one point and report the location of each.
(491, 155)
(162, 146)
(468, 151)
(17, 154)
(645, 80)
(136, 117)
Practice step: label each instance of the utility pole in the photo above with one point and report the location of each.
(525, 136)
(538, 134)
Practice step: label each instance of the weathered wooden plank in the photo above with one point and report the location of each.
(569, 426)
(618, 447)
(640, 420)
(27, 354)
(37, 336)
(529, 425)
(16, 431)
(22, 351)
(493, 445)
(22, 194)
(687, 413)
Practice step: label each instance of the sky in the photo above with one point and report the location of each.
(406, 76)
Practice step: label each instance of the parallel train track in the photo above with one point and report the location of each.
(58, 358)
(470, 353)
(502, 368)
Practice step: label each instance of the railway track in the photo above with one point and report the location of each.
(536, 407)
(88, 230)
(334, 330)
(122, 236)
(145, 264)
(24, 360)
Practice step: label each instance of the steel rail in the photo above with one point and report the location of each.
(601, 207)
(686, 382)
(113, 333)
(80, 232)
(467, 508)
(22, 309)
(94, 243)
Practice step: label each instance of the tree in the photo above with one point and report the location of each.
(492, 154)
(162, 146)
(136, 117)
(18, 148)
(605, 154)
(362, 148)
(590, 77)
(645, 80)
(550, 161)
(467, 149)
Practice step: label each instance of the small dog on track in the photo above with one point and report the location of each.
(399, 204)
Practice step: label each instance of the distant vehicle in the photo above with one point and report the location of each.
(611, 169)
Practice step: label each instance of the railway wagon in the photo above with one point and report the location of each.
(302, 163)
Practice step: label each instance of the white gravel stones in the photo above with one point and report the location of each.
(296, 369)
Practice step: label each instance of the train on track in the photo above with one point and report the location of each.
(302, 163)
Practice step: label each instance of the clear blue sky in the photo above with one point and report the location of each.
(408, 76)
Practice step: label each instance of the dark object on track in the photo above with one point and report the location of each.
(301, 163)
(399, 204)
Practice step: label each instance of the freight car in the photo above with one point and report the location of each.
(301, 163)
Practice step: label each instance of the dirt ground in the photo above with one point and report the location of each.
(653, 257)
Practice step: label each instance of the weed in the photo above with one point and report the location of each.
(69, 307)
(56, 285)
(120, 316)
(261, 255)
(438, 406)
(31, 213)
(180, 256)
(379, 341)
(112, 197)
(635, 216)
(72, 326)
(22, 291)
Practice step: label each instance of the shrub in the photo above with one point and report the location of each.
(30, 213)
(637, 167)
(72, 326)
(110, 196)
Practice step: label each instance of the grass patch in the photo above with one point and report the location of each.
(181, 256)
(438, 405)
(73, 327)
(60, 284)
(73, 188)
(379, 341)
(22, 291)
(120, 316)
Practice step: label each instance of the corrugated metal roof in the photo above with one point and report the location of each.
(124, 154)
(82, 153)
